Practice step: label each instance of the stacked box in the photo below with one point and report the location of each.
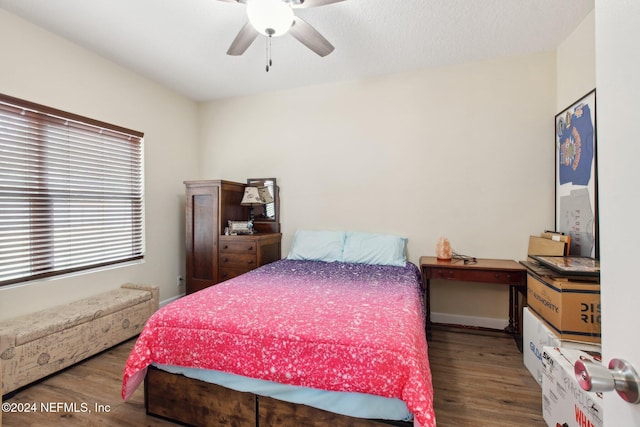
(537, 334)
(570, 308)
(564, 402)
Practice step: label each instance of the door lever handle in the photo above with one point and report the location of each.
(620, 377)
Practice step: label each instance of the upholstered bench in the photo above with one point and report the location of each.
(38, 344)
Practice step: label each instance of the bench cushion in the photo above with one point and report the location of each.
(30, 327)
(39, 344)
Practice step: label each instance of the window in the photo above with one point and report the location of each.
(70, 192)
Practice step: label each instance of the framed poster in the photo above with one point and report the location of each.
(571, 265)
(576, 176)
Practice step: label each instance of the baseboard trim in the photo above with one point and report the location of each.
(170, 300)
(479, 322)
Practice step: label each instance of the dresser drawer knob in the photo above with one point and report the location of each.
(250, 248)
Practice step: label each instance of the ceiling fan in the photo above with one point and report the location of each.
(274, 18)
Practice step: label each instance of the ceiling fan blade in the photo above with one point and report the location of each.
(243, 40)
(310, 37)
(299, 4)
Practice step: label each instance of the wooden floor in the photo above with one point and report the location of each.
(478, 378)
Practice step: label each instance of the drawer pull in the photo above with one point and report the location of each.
(250, 248)
(226, 247)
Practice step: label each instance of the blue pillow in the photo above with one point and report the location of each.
(311, 245)
(379, 249)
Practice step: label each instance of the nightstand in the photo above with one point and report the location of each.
(498, 271)
(242, 253)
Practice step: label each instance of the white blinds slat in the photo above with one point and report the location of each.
(71, 192)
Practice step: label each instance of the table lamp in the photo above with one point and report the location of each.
(255, 196)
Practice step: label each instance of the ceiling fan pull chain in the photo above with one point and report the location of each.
(269, 63)
(267, 53)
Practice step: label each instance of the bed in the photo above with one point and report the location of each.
(336, 332)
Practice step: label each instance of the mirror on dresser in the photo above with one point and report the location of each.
(267, 217)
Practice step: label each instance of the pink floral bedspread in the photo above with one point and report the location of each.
(331, 326)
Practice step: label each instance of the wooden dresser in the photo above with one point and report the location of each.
(212, 257)
(239, 254)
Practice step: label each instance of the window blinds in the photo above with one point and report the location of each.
(71, 192)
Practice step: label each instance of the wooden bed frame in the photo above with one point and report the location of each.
(198, 403)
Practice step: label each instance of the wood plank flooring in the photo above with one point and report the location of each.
(478, 378)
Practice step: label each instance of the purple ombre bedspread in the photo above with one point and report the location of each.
(331, 326)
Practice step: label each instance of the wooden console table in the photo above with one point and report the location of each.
(499, 271)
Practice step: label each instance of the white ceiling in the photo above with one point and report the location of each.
(182, 43)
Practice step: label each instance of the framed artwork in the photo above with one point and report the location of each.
(573, 265)
(576, 176)
(240, 227)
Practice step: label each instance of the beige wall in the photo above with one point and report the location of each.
(463, 151)
(43, 68)
(576, 64)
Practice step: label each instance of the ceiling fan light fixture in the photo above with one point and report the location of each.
(270, 17)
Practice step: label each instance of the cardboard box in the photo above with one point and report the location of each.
(536, 334)
(564, 402)
(570, 308)
(558, 237)
(546, 246)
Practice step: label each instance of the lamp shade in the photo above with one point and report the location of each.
(270, 17)
(254, 196)
(265, 195)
